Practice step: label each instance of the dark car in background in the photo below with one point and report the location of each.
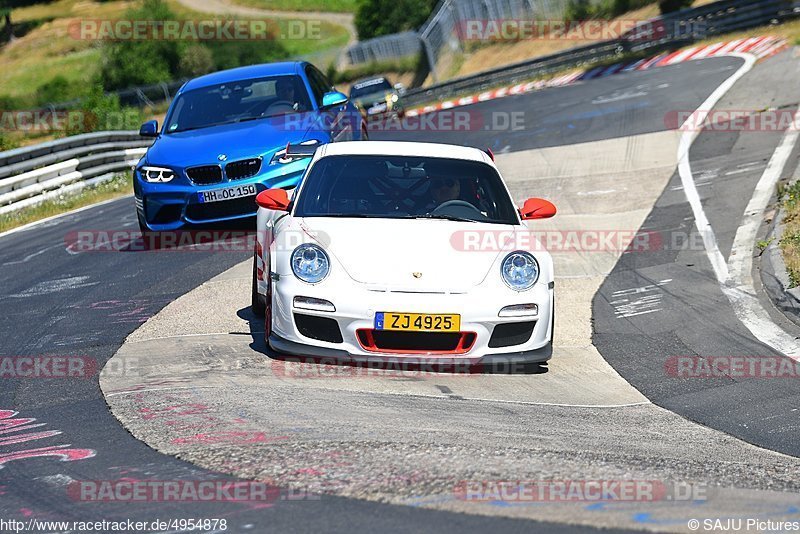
(377, 96)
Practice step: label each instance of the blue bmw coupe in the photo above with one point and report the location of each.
(225, 137)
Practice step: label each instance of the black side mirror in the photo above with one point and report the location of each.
(149, 129)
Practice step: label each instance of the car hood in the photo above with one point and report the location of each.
(237, 141)
(386, 253)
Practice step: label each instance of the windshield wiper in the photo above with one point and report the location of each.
(255, 117)
(444, 217)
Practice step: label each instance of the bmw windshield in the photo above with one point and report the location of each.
(395, 187)
(369, 88)
(237, 102)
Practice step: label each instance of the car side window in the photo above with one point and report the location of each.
(317, 83)
(324, 79)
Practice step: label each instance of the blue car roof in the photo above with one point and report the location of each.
(245, 73)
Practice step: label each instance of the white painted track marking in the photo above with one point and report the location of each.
(685, 168)
(739, 287)
(734, 276)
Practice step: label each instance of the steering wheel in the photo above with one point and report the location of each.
(280, 106)
(445, 206)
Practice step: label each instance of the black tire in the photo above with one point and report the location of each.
(142, 226)
(258, 303)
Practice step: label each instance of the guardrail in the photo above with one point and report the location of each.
(30, 175)
(395, 46)
(668, 31)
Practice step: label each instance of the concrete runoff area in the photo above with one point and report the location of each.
(413, 439)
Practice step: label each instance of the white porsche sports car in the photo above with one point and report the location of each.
(394, 250)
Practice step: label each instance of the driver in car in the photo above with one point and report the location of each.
(284, 90)
(446, 195)
(444, 189)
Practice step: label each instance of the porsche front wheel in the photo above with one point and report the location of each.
(258, 303)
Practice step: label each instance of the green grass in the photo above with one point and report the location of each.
(330, 36)
(790, 241)
(118, 186)
(49, 50)
(23, 80)
(338, 6)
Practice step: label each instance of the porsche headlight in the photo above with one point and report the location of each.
(520, 270)
(310, 263)
(157, 174)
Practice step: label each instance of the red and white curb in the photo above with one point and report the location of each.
(760, 47)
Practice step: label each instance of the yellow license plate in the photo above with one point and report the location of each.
(424, 322)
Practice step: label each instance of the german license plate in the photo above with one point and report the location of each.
(423, 322)
(228, 193)
(377, 108)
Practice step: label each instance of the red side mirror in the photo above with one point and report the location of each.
(273, 199)
(537, 208)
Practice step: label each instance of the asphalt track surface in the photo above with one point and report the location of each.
(621, 105)
(57, 303)
(689, 315)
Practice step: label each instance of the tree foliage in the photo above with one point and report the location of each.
(140, 62)
(131, 63)
(668, 6)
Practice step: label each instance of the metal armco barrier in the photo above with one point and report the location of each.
(399, 45)
(28, 175)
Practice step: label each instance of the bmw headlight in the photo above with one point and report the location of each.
(310, 263)
(520, 270)
(157, 174)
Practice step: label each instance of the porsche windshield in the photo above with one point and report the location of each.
(238, 101)
(405, 188)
